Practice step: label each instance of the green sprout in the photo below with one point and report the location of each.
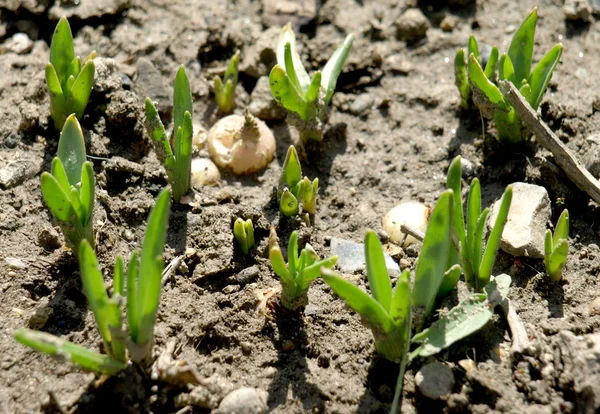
(393, 315)
(476, 262)
(225, 89)
(293, 189)
(69, 80)
(299, 272)
(305, 99)
(143, 295)
(514, 66)
(243, 232)
(177, 160)
(460, 70)
(69, 188)
(556, 247)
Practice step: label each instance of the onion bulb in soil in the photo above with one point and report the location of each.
(243, 144)
(409, 213)
(204, 172)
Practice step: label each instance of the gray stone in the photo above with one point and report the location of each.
(412, 25)
(19, 43)
(361, 104)
(578, 10)
(15, 263)
(149, 83)
(352, 257)
(107, 77)
(262, 104)
(16, 172)
(525, 228)
(244, 400)
(434, 380)
(247, 275)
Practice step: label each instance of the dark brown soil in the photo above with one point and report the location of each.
(395, 125)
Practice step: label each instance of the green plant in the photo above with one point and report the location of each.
(243, 232)
(293, 189)
(476, 263)
(69, 80)
(225, 89)
(392, 316)
(556, 247)
(514, 66)
(299, 272)
(177, 159)
(305, 99)
(69, 188)
(460, 69)
(143, 295)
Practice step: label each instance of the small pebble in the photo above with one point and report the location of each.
(434, 380)
(15, 264)
(448, 23)
(288, 346)
(244, 400)
(583, 254)
(246, 347)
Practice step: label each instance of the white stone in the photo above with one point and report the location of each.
(525, 228)
(434, 380)
(244, 400)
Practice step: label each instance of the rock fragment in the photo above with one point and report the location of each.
(149, 83)
(244, 400)
(412, 25)
(434, 380)
(107, 77)
(352, 257)
(526, 224)
(19, 43)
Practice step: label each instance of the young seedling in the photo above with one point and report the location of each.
(243, 232)
(299, 272)
(460, 70)
(476, 263)
(556, 247)
(143, 294)
(225, 89)
(293, 189)
(69, 188)
(514, 66)
(305, 99)
(69, 80)
(177, 159)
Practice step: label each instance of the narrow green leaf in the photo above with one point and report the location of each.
(65, 350)
(182, 98)
(151, 265)
(432, 259)
(473, 48)
(119, 278)
(220, 92)
(453, 182)
(288, 36)
(74, 68)
(520, 50)
(240, 234)
(313, 90)
(57, 97)
(309, 195)
(87, 192)
(57, 199)
(61, 49)
(525, 90)
(279, 266)
(460, 78)
(478, 79)
(400, 306)
(333, 67)
(548, 245)
(285, 93)
(293, 254)
(506, 71)
(542, 73)
(54, 86)
(562, 227)
(289, 68)
(449, 281)
(71, 150)
(478, 240)
(493, 243)
(359, 301)
(557, 260)
(490, 66)
(76, 205)
(231, 74)
(79, 93)
(377, 273)
(291, 172)
(133, 314)
(473, 213)
(313, 271)
(156, 130)
(67, 91)
(58, 171)
(181, 180)
(249, 231)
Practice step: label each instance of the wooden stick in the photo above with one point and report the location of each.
(546, 138)
(520, 339)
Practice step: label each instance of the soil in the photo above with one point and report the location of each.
(395, 124)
